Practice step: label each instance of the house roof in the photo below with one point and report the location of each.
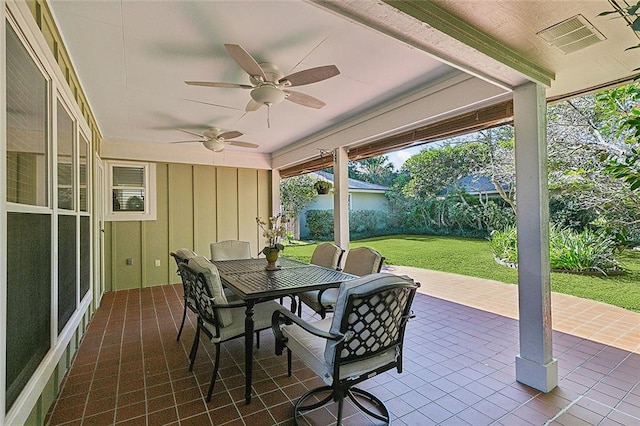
(354, 184)
(474, 185)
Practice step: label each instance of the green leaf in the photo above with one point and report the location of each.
(636, 24)
(607, 13)
(637, 46)
(632, 10)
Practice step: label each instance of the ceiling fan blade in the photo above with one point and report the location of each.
(303, 99)
(253, 106)
(216, 84)
(243, 144)
(192, 133)
(245, 60)
(230, 135)
(312, 75)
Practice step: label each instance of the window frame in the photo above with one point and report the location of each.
(149, 212)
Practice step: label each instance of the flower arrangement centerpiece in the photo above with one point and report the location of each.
(273, 231)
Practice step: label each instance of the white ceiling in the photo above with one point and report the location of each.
(132, 58)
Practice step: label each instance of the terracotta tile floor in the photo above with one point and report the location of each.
(458, 366)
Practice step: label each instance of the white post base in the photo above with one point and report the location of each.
(538, 376)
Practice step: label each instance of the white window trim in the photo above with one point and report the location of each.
(150, 211)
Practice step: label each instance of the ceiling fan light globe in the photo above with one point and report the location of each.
(214, 145)
(267, 95)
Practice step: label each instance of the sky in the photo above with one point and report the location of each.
(398, 158)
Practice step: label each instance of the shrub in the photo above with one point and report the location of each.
(569, 251)
(504, 245)
(458, 214)
(320, 224)
(583, 252)
(362, 224)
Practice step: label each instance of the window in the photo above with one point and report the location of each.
(28, 244)
(65, 159)
(83, 149)
(27, 100)
(132, 191)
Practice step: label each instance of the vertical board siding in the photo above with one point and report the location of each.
(264, 202)
(248, 207)
(156, 236)
(196, 205)
(127, 240)
(227, 199)
(180, 202)
(204, 208)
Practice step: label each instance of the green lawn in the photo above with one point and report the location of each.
(473, 257)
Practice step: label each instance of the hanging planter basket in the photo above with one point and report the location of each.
(322, 187)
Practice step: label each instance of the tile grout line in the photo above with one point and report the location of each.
(563, 411)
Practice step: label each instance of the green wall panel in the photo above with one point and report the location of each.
(264, 201)
(248, 208)
(204, 208)
(180, 202)
(196, 205)
(156, 237)
(227, 199)
(109, 266)
(127, 242)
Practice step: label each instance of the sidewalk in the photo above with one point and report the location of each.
(596, 321)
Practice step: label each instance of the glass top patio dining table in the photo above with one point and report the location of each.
(249, 279)
(251, 282)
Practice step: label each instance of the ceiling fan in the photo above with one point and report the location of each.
(216, 140)
(268, 85)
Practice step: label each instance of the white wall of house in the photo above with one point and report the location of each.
(368, 201)
(358, 200)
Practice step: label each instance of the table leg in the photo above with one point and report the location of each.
(248, 350)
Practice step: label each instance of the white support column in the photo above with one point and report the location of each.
(275, 192)
(341, 197)
(535, 365)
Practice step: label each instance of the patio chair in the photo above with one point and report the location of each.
(362, 339)
(218, 319)
(230, 250)
(183, 255)
(360, 261)
(329, 256)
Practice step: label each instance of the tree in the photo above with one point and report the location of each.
(626, 166)
(581, 133)
(621, 114)
(432, 170)
(498, 161)
(296, 194)
(376, 170)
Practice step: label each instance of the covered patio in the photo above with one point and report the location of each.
(97, 193)
(459, 365)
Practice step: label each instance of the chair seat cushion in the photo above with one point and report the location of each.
(329, 297)
(310, 349)
(261, 320)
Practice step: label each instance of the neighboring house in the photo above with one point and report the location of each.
(362, 196)
(482, 186)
